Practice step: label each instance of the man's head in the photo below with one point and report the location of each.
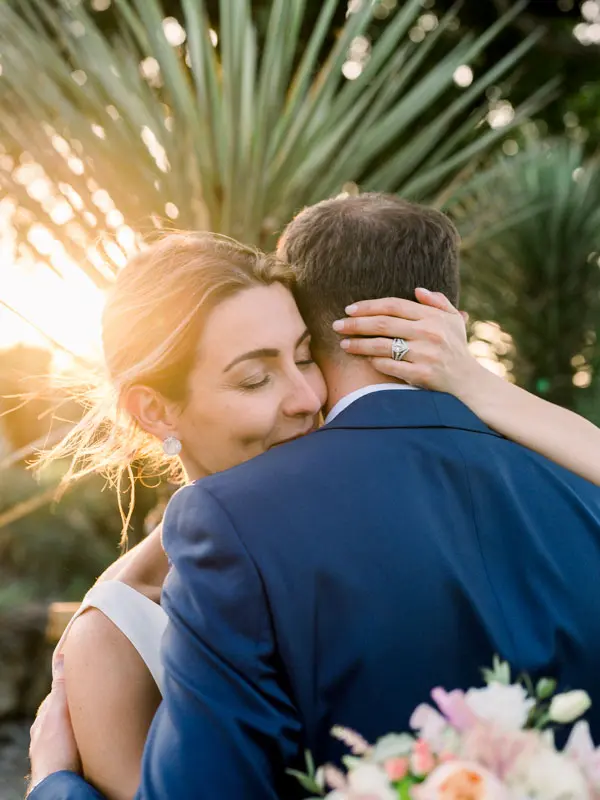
(368, 246)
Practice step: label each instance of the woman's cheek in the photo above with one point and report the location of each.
(317, 383)
(258, 421)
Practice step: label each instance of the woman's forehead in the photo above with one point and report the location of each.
(259, 317)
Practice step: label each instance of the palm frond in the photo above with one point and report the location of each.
(214, 134)
(531, 260)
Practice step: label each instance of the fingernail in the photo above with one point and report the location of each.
(345, 343)
(338, 325)
(351, 309)
(58, 667)
(421, 289)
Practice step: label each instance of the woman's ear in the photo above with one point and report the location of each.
(152, 411)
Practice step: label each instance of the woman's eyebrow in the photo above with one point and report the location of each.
(263, 352)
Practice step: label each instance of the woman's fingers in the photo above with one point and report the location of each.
(435, 300)
(370, 347)
(389, 307)
(378, 325)
(414, 374)
(429, 304)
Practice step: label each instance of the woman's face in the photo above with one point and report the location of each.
(254, 384)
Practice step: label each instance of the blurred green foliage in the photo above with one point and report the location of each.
(57, 551)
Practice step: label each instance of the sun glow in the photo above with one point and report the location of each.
(67, 307)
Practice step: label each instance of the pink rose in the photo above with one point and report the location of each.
(422, 760)
(396, 768)
(455, 708)
(497, 749)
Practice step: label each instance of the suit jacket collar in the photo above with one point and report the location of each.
(422, 409)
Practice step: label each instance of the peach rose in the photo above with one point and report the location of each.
(461, 780)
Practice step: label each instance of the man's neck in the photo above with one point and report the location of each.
(343, 378)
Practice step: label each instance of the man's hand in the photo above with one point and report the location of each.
(53, 747)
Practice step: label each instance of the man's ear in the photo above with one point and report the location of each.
(153, 413)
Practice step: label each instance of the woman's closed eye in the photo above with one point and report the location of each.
(255, 382)
(258, 380)
(304, 357)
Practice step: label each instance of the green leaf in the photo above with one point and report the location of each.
(351, 762)
(306, 781)
(234, 135)
(545, 253)
(545, 688)
(500, 672)
(405, 786)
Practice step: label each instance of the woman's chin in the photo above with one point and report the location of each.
(296, 436)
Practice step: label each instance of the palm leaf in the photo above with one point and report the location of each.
(536, 266)
(226, 137)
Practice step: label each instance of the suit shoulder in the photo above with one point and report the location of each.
(278, 464)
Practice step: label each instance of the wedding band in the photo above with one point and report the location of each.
(399, 349)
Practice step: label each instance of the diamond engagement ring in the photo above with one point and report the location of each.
(399, 349)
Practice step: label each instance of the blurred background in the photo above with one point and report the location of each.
(121, 117)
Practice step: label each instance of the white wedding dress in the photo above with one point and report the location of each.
(141, 620)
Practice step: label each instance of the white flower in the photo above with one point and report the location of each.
(548, 775)
(394, 745)
(369, 779)
(506, 706)
(431, 726)
(569, 706)
(580, 748)
(366, 780)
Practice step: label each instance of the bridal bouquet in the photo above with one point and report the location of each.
(492, 743)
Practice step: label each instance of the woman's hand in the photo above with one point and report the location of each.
(438, 358)
(433, 329)
(53, 747)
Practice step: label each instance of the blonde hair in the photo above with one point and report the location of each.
(150, 328)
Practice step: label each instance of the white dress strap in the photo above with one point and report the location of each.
(141, 620)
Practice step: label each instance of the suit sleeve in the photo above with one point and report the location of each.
(64, 786)
(227, 727)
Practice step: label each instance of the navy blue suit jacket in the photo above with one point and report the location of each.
(337, 579)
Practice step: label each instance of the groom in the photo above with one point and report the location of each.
(338, 578)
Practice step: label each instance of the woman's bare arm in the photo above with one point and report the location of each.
(112, 699)
(144, 567)
(439, 359)
(561, 435)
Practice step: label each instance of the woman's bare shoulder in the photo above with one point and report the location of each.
(98, 654)
(94, 634)
(112, 700)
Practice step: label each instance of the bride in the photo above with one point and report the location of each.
(177, 329)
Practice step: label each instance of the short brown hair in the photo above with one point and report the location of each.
(366, 246)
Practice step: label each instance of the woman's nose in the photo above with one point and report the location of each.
(302, 399)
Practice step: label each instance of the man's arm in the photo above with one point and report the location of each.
(64, 786)
(226, 727)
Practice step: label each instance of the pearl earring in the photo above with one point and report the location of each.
(172, 446)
